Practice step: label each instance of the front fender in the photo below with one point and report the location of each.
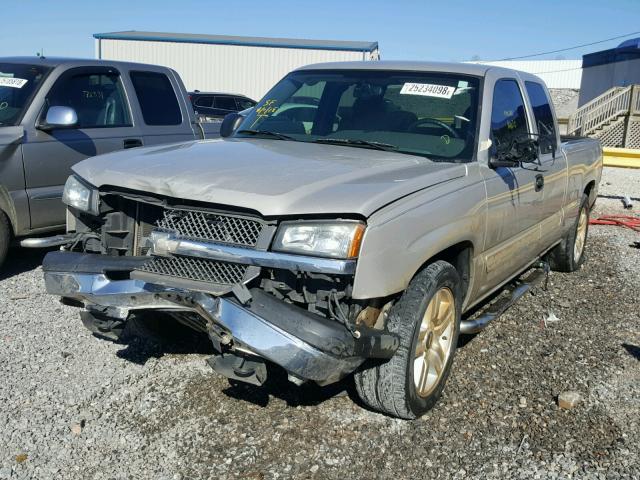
(400, 239)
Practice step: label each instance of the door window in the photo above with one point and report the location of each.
(98, 99)
(225, 103)
(206, 102)
(244, 103)
(508, 115)
(543, 116)
(157, 99)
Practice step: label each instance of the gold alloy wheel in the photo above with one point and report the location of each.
(581, 236)
(435, 342)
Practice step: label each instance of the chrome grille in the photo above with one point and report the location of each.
(198, 269)
(215, 227)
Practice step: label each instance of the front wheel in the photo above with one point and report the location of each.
(568, 256)
(427, 320)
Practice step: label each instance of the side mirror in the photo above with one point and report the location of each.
(230, 124)
(494, 162)
(528, 150)
(60, 117)
(520, 150)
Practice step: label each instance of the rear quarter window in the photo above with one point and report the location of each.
(543, 115)
(225, 103)
(157, 98)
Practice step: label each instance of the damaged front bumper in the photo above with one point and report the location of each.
(306, 345)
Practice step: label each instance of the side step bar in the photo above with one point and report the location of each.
(499, 307)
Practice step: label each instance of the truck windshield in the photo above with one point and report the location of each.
(419, 113)
(18, 83)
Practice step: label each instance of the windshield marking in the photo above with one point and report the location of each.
(427, 90)
(12, 82)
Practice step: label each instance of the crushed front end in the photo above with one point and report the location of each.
(223, 272)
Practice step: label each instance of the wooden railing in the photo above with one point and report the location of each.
(601, 110)
(635, 100)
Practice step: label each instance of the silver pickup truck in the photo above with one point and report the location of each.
(55, 112)
(358, 231)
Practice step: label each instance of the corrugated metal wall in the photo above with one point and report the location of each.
(251, 71)
(555, 73)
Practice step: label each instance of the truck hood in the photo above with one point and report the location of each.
(272, 177)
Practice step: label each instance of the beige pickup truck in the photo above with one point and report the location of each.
(348, 224)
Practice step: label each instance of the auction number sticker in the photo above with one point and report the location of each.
(427, 90)
(12, 82)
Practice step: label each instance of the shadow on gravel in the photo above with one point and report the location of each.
(633, 350)
(277, 385)
(158, 337)
(20, 260)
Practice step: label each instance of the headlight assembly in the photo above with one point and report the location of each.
(335, 239)
(79, 195)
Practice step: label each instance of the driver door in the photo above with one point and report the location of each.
(514, 199)
(98, 96)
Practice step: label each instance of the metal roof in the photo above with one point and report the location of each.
(69, 61)
(626, 51)
(243, 41)
(555, 73)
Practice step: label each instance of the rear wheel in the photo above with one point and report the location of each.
(5, 236)
(569, 255)
(427, 320)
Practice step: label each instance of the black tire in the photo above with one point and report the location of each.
(5, 237)
(389, 387)
(562, 257)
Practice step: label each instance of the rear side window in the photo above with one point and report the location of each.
(206, 102)
(157, 99)
(543, 116)
(244, 103)
(225, 103)
(508, 115)
(98, 99)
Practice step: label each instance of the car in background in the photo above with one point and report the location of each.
(55, 112)
(214, 106)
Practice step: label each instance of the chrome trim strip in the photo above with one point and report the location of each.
(44, 242)
(175, 245)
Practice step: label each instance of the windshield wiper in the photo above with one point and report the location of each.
(358, 143)
(267, 133)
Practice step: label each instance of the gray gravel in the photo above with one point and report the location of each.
(73, 406)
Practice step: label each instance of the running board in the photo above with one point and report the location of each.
(498, 308)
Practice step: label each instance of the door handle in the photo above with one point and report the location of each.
(539, 182)
(131, 143)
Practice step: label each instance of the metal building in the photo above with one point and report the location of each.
(607, 69)
(555, 73)
(246, 65)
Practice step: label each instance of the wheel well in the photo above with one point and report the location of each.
(458, 255)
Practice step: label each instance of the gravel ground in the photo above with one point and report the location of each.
(73, 406)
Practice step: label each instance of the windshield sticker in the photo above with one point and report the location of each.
(427, 90)
(265, 110)
(12, 82)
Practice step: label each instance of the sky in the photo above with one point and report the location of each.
(442, 30)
